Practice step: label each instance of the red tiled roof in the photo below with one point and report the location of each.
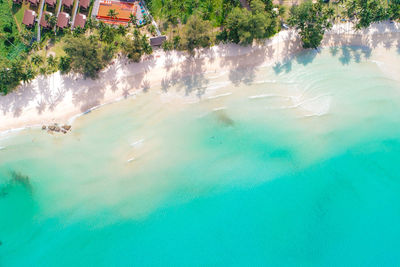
(51, 2)
(123, 10)
(80, 20)
(62, 20)
(68, 3)
(43, 21)
(84, 3)
(29, 17)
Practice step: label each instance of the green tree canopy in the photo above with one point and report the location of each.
(196, 33)
(11, 74)
(311, 20)
(394, 9)
(243, 26)
(366, 12)
(134, 48)
(87, 55)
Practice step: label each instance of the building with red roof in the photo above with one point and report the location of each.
(80, 20)
(62, 20)
(29, 18)
(43, 21)
(68, 3)
(123, 10)
(51, 2)
(33, 2)
(84, 3)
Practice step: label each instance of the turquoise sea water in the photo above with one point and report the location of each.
(292, 165)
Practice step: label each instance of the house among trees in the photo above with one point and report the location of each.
(157, 41)
(68, 3)
(62, 20)
(34, 2)
(84, 3)
(80, 20)
(51, 3)
(43, 21)
(29, 18)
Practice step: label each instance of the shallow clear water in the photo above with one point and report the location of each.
(292, 164)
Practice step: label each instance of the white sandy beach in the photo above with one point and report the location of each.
(57, 98)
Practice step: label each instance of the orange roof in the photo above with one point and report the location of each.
(122, 9)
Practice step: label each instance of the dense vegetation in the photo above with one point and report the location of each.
(9, 33)
(365, 12)
(86, 55)
(174, 12)
(188, 24)
(311, 20)
(134, 48)
(244, 26)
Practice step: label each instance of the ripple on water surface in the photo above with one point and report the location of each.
(295, 164)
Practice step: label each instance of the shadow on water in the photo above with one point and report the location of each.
(303, 58)
(344, 49)
(347, 54)
(223, 118)
(16, 180)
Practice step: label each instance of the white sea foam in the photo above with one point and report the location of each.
(266, 95)
(220, 95)
(137, 143)
(377, 62)
(220, 108)
(16, 130)
(264, 81)
(2, 147)
(130, 160)
(218, 85)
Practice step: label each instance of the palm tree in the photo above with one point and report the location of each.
(28, 75)
(121, 30)
(91, 24)
(51, 20)
(37, 59)
(52, 63)
(145, 18)
(35, 46)
(43, 71)
(146, 46)
(330, 12)
(152, 29)
(132, 20)
(112, 13)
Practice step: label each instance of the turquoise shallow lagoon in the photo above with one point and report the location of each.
(295, 164)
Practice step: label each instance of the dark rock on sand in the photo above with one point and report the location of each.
(44, 127)
(52, 127)
(67, 127)
(57, 129)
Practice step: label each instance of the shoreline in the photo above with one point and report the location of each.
(61, 99)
